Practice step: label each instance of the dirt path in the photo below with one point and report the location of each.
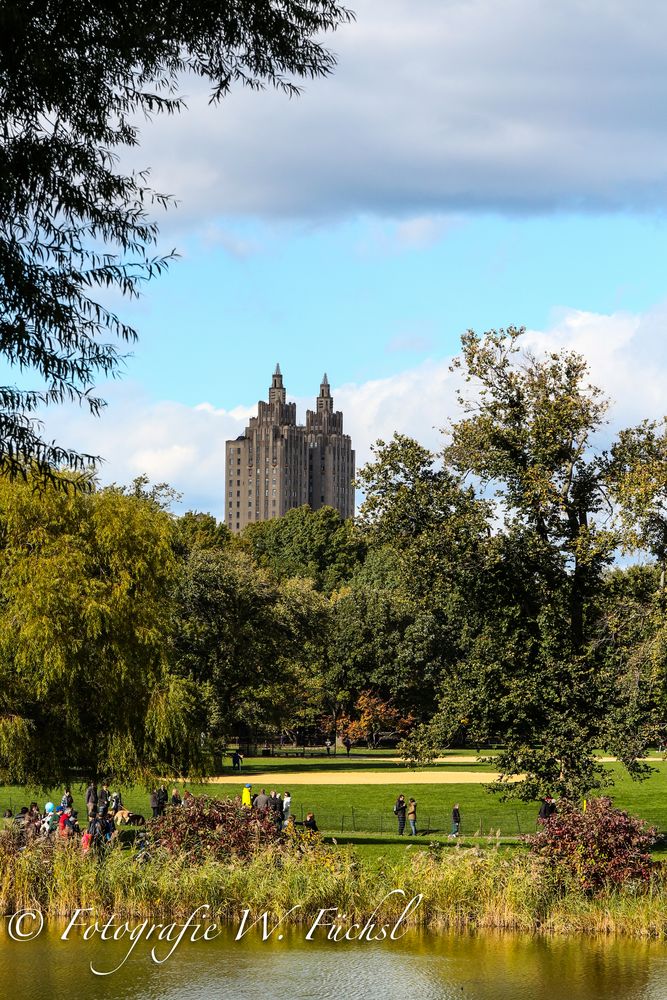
(359, 776)
(273, 779)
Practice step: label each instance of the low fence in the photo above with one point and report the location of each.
(353, 820)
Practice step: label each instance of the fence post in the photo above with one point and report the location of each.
(381, 822)
(342, 823)
(481, 827)
(354, 826)
(518, 824)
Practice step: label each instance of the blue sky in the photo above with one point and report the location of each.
(362, 301)
(469, 164)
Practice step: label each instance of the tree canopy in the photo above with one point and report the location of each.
(75, 80)
(85, 679)
(476, 600)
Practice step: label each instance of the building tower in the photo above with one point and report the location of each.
(277, 464)
(330, 456)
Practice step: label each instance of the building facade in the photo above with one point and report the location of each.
(277, 464)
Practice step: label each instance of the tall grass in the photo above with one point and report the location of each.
(461, 889)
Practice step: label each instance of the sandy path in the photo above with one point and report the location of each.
(400, 776)
(274, 779)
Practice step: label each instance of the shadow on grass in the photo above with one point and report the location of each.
(272, 766)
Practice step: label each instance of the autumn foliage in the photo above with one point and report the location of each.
(375, 719)
(212, 828)
(601, 847)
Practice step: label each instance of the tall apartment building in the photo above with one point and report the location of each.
(277, 464)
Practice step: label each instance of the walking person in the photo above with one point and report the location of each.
(287, 808)
(91, 799)
(261, 802)
(154, 803)
(162, 799)
(328, 746)
(456, 820)
(103, 800)
(347, 743)
(176, 799)
(412, 817)
(276, 807)
(400, 810)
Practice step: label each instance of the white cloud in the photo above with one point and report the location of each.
(185, 445)
(627, 356)
(410, 342)
(438, 106)
(170, 442)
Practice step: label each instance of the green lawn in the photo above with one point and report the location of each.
(288, 765)
(351, 808)
(378, 848)
(347, 810)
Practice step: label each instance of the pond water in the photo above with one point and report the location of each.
(421, 966)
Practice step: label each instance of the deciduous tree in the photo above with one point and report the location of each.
(76, 80)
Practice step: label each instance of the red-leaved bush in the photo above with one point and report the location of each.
(212, 828)
(599, 847)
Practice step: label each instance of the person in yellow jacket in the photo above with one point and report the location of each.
(246, 800)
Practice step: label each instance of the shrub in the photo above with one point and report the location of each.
(599, 847)
(212, 828)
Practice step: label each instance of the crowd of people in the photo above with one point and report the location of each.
(105, 811)
(159, 798)
(63, 820)
(278, 807)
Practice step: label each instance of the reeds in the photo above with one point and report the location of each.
(461, 889)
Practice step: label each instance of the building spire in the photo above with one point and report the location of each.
(324, 400)
(277, 390)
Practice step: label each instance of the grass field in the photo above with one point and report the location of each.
(351, 810)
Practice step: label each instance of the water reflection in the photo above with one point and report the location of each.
(446, 966)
